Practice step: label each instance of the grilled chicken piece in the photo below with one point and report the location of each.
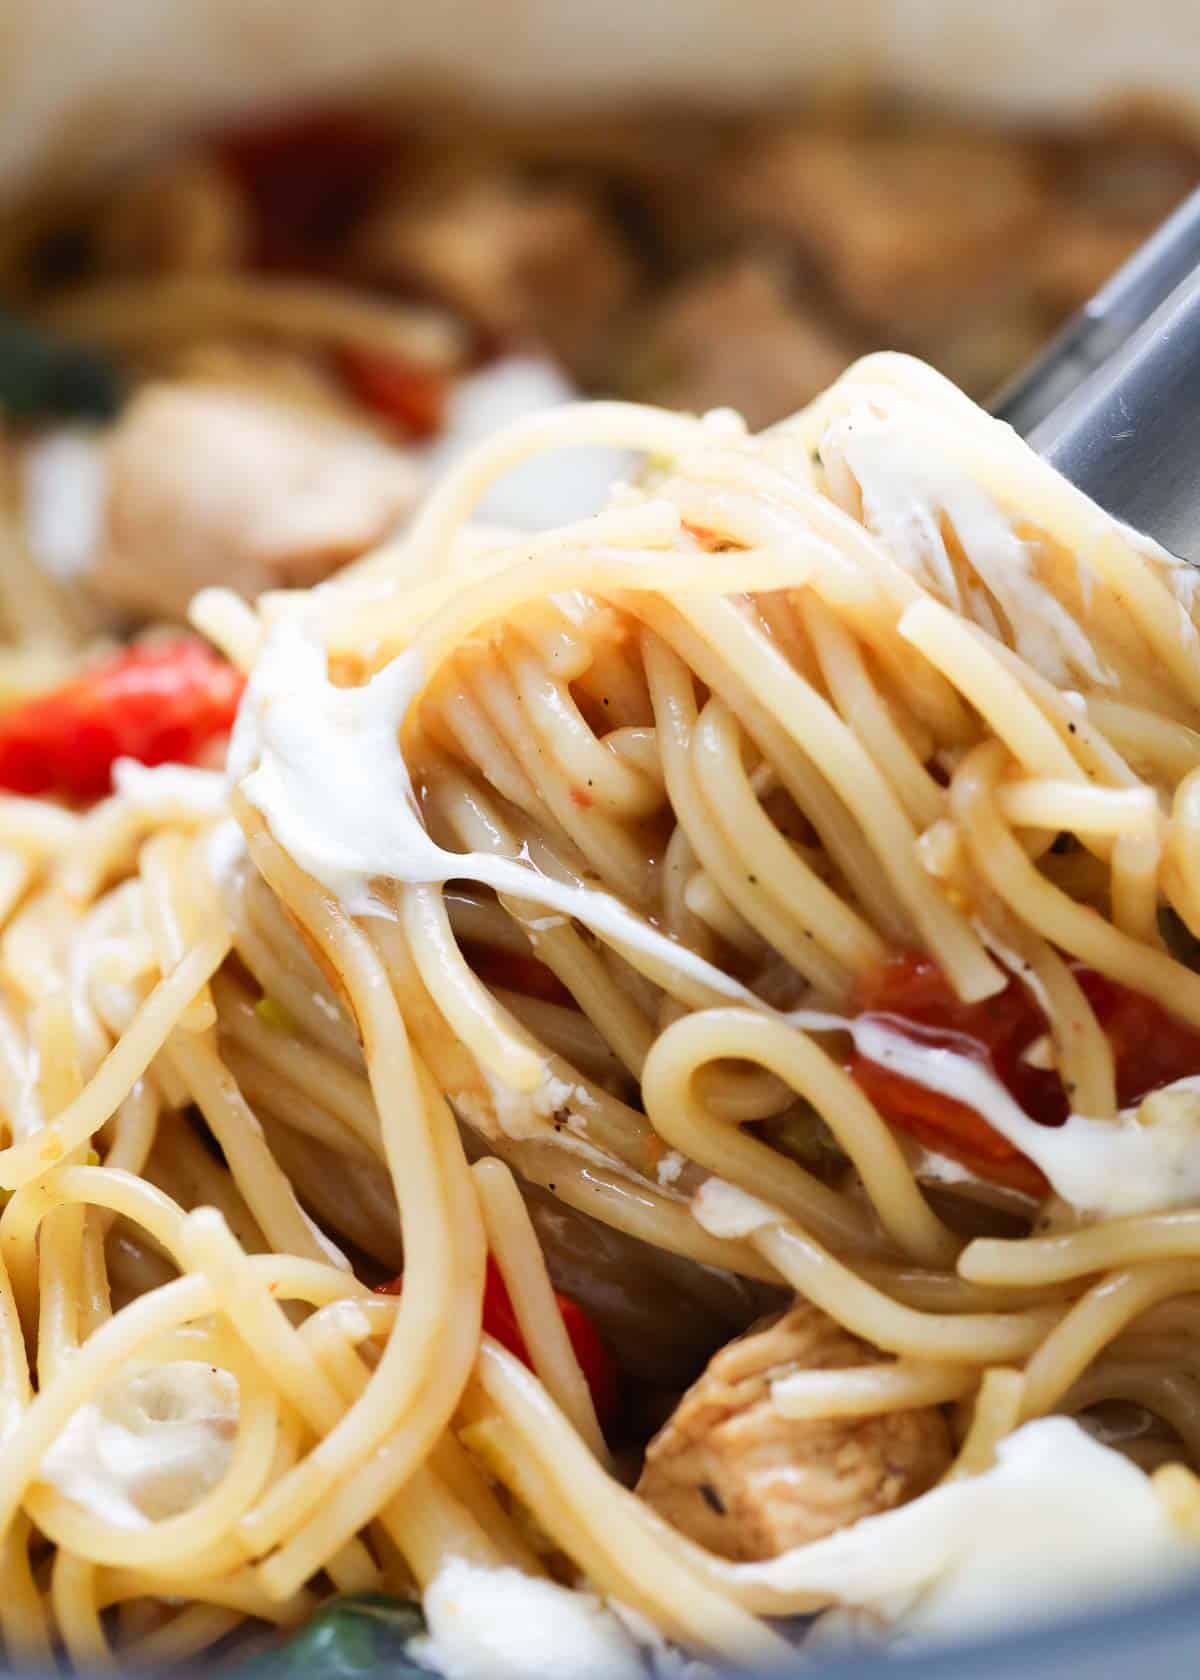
(737, 1476)
(537, 263)
(903, 226)
(208, 485)
(733, 337)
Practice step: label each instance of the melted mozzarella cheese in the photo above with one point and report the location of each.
(323, 765)
(907, 490)
(64, 489)
(1059, 1522)
(669, 1168)
(510, 1626)
(171, 792)
(152, 1445)
(725, 1211)
(519, 1114)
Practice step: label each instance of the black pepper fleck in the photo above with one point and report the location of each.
(712, 1498)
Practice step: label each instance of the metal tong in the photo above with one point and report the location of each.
(1114, 400)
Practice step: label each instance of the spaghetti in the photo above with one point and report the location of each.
(580, 857)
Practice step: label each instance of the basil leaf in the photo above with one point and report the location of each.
(347, 1638)
(42, 376)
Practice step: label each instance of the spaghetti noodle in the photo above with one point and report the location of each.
(581, 857)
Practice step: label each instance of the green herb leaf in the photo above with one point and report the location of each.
(348, 1637)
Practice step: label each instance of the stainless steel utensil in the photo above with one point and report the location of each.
(1129, 436)
(1114, 400)
(1106, 322)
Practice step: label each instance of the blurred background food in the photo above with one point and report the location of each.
(240, 343)
(683, 258)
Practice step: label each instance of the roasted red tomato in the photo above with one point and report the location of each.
(516, 971)
(158, 702)
(411, 397)
(1150, 1049)
(307, 179)
(500, 1321)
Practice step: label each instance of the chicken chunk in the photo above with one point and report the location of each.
(537, 263)
(903, 226)
(737, 1476)
(208, 485)
(734, 337)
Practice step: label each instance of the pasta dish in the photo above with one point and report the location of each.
(651, 1109)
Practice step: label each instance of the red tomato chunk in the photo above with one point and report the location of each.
(1150, 1050)
(306, 179)
(516, 971)
(500, 1321)
(411, 397)
(158, 702)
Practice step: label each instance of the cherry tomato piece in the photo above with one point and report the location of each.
(158, 702)
(307, 179)
(1150, 1049)
(500, 1321)
(515, 971)
(411, 397)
